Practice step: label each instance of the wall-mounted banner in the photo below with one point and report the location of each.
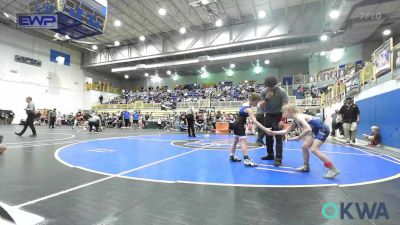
(37, 21)
(353, 85)
(382, 59)
(298, 79)
(287, 81)
(29, 61)
(396, 62)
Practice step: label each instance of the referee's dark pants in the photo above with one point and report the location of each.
(190, 120)
(272, 121)
(261, 119)
(52, 122)
(29, 123)
(96, 125)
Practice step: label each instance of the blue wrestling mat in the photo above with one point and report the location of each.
(176, 158)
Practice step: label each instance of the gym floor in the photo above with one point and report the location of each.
(71, 177)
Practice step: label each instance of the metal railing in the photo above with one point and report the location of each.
(199, 104)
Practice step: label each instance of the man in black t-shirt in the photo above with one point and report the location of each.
(351, 117)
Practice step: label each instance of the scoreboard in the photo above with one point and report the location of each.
(77, 18)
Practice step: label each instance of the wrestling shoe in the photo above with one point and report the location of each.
(248, 162)
(332, 172)
(234, 159)
(304, 168)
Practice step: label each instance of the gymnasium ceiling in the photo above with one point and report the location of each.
(289, 32)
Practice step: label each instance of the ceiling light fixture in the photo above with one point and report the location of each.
(261, 14)
(219, 23)
(146, 74)
(117, 43)
(266, 62)
(169, 72)
(334, 14)
(232, 65)
(323, 53)
(94, 47)
(182, 30)
(204, 2)
(324, 37)
(126, 76)
(386, 32)
(142, 38)
(257, 69)
(230, 73)
(6, 14)
(156, 79)
(67, 37)
(162, 11)
(117, 23)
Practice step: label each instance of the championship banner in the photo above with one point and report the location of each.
(298, 79)
(353, 85)
(367, 73)
(382, 59)
(396, 62)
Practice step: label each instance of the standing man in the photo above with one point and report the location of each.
(190, 116)
(52, 118)
(2, 148)
(127, 116)
(136, 117)
(351, 117)
(274, 98)
(30, 111)
(334, 123)
(101, 99)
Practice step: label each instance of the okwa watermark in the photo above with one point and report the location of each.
(355, 210)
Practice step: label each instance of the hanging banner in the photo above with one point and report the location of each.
(353, 85)
(396, 62)
(287, 81)
(382, 59)
(298, 79)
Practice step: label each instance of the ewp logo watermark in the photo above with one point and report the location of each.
(355, 210)
(36, 21)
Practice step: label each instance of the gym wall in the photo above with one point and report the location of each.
(51, 85)
(380, 106)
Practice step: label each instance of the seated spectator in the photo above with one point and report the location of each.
(375, 137)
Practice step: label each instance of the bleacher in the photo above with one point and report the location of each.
(223, 106)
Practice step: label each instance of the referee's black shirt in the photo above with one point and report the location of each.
(349, 113)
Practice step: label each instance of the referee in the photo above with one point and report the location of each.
(30, 111)
(274, 98)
